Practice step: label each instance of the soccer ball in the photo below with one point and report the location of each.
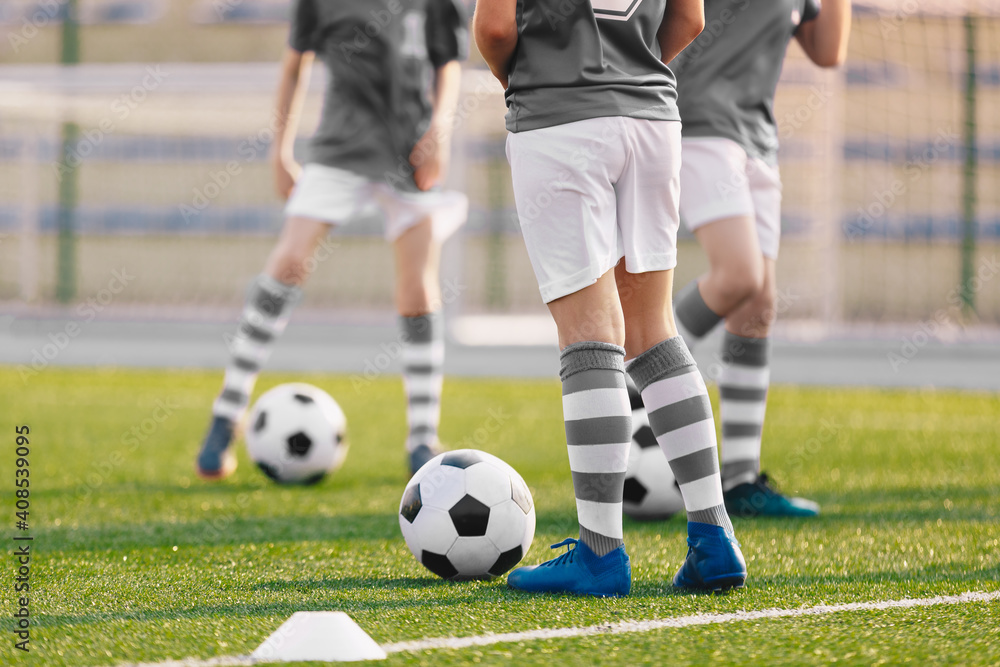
(467, 515)
(296, 434)
(651, 491)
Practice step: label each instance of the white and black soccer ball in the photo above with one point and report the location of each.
(296, 434)
(651, 490)
(467, 514)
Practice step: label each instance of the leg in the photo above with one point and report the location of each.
(418, 301)
(735, 274)
(743, 385)
(270, 300)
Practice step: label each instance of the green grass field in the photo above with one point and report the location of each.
(136, 559)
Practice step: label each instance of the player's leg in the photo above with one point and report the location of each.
(717, 205)
(566, 206)
(270, 299)
(672, 389)
(418, 301)
(745, 375)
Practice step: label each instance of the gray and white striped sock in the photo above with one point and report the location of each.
(743, 386)
(680, 415)
(422, 359)
(598, 434)
(268, 306)
(693, 316)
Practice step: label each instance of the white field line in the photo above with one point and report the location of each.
(623, 627)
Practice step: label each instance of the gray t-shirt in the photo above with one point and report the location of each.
(579, 59)
(727, 77)
(381, 55)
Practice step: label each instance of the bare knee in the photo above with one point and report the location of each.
(290, 263)
(739, 281)
(759, 313)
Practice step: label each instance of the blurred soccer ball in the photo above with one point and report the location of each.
(467, 514)
(651, 491)
(296, 434)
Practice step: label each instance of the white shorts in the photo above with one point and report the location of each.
(719, 180)
(594, 191)
(339, 196)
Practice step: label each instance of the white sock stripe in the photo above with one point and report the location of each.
(671, 390)
(702, 494)
(240, 380)
(423, 385)
(740, 449)
(591, 403)
(250, 349)
(421, 414)
(599, 458)
(226, 409)
(745, 412)
(688, 439)
(745, 376)
(603, 518)
(423, 354)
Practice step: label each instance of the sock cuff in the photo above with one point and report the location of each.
(271, 296)
(591, 355)
(660, 361)
(743, 351)
(422, 328)
(693, 312)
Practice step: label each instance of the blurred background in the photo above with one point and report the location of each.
(133, 141)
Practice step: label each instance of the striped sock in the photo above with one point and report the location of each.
(268, 306)
(598, 433)
(680, 415)
(743, 399)
(423, 358)
(693, 316)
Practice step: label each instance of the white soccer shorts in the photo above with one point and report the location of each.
(338, 196)
(591, 192)
(719, 180)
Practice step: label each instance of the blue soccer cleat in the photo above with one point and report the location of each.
(216, 460)
(421, 454)
(579, 571)
(760, 498)
(714, 561)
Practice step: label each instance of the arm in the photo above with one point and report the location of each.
(295, 70)
(495, 28)
(430, 156)
(683, 21)
(824, 39)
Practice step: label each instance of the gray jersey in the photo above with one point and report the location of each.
(381, 55)
(579, 59)
(727, 77)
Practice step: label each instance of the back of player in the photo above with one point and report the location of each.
(594, 152)
(731, 200)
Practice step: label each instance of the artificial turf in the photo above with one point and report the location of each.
(136, 559)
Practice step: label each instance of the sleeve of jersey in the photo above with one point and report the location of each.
(447, 32)
(303, 26)
(810, 10)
